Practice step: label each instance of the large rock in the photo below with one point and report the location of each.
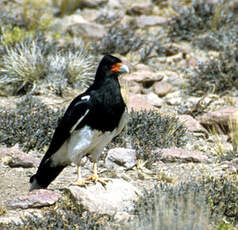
(35, 199)
(180, 155)
(117, 196)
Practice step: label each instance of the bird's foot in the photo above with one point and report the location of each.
(96, 178)
(79, 183)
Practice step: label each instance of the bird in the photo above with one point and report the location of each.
(89, 123)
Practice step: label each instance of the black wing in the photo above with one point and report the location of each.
(76, 111)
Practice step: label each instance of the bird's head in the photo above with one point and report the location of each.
(112, 65)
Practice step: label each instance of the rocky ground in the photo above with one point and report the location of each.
(175, 165)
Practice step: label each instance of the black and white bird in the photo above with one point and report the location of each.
(88, 125)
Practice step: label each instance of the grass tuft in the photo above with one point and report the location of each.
(23, 66)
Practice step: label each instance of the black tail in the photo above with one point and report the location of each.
(46, 173)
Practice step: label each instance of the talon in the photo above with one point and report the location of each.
(79, 181)
(95, 176)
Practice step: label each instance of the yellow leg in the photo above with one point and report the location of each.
(79, 181)
(95, 176)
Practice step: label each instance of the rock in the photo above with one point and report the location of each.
(154, 100)
(143, 76)
(140, 9)
(180, 155)
(15, 150)
(192, 124)
(15, 157)
(117, 196)
(24, 161)
(221, 117)
(139, 102)
(71, 20)
(135, 88)
(35, 199)
(148, 21)
(174, 98)
(142, 67)
(120, 159)
(162, 88)
(87, 30)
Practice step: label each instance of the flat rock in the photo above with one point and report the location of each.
(222, 117)
(15, 157)
(180, 155)
(121, 159)
(117, 196)
(191, 124)
(35, 199)
(143, 76)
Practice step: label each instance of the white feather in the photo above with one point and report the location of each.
(79, 120)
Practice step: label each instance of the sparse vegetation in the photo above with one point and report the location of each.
(31, 124)
(192, 205)
(147, 131)
(30, 64)
(120, 39)
(39, 57)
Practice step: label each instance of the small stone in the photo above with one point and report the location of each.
(24, 161)
(35, 199)
(162, 88)
(180, 155)
(121, 159)
(148, 21)
(15, 157)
